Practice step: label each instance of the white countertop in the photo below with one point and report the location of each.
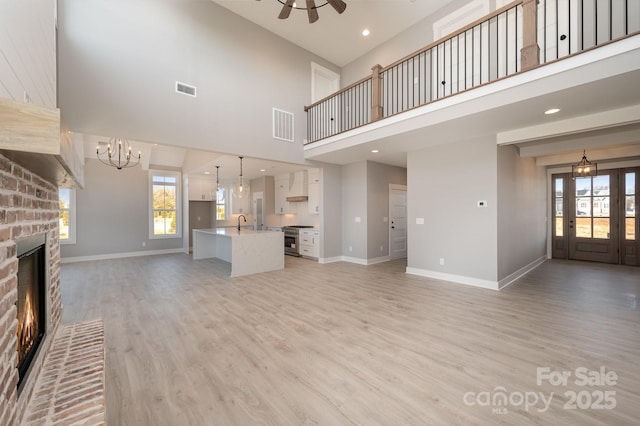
(233, 232)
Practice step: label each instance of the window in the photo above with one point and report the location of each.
(559, 188)
(67, 205)
(164, 199)
(630, 206)
(221, 203)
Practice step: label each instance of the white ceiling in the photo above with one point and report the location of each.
(337, 37)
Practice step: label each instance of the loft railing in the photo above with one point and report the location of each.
(519, 36)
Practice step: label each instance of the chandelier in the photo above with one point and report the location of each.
(311, 8)
(584, 167)
(117, 154)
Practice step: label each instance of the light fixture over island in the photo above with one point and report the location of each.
(248, 251)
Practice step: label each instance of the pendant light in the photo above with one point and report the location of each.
(239, 188)
(584, 167)
(219, 197)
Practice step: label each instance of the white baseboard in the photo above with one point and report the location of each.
(460, 279)
(380, 259)
(355, 260)
(119, 255)
(330, 259)
(520, 272)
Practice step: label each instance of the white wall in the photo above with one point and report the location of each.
(522, 211)
(28, 51)
(379, 176)
(444, 184)
(112, 213)
(331, 217)
(354, 205)
(120, 59)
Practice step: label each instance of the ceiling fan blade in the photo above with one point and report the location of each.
(312, 11)
(286, 9)
(338, 5)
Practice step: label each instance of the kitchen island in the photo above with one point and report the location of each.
(248, 251)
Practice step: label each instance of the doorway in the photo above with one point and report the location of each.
(398, 221)
(595, 217)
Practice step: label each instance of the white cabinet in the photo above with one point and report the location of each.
(281, 193)
(309, 243)
(202, 189)
(314, 191)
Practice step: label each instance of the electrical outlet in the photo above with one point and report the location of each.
(350, 248)
(442, 261)
(144, 244)
(381, 249)
(358, 219)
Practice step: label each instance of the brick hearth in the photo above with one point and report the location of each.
(71, 387)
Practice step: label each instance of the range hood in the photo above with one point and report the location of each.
(298, 187)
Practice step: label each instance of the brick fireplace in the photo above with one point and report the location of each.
(28, 207)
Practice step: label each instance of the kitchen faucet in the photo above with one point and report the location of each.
(245, 219)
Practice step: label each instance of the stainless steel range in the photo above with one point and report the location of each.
(292, 239)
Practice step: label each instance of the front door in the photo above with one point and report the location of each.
(595, 218)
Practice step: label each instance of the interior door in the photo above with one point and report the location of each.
(398, 222)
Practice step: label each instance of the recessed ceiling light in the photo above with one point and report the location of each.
(207, 173)
(366, 32)
(552, 111)
(375, 151)
(263, 170)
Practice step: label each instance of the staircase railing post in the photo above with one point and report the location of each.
(530, 52)
(376, 93)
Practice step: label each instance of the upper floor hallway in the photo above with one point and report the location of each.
(496, 77)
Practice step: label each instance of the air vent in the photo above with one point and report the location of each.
(185, 89)
(282, 125)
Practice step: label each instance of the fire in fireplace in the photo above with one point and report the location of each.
(31, 300)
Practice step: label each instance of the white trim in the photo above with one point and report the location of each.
(511, 278)
(120, 255)
(72, 217)
(356, 260)
(330, 259)
(460, 279)
(459, 18)
(178, 177)
(380, 259)
(328, 74)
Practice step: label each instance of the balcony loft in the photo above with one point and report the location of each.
(496, 77)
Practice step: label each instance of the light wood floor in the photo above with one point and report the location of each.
(345, 344)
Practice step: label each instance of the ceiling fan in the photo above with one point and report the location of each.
(311, 8)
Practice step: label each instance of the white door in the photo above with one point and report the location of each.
(397, 221)
(324, 82)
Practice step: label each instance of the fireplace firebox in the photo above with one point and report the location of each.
(31, 302)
